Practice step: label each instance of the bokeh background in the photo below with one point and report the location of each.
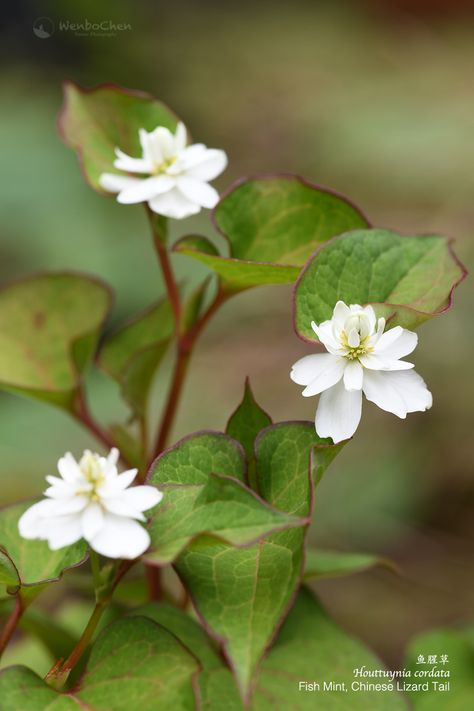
(373, 99)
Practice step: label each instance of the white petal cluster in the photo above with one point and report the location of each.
(173, 178)
(360, 358)
(92, 500)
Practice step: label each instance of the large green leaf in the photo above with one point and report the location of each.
(272, 225)
(201, 500)
(310, 647)
(243, 594)
(457, 647)
(334, 564)
(95, 122)
(132, 354)
(407, 279)
(49, 325)
(35, 562)
(135, 663)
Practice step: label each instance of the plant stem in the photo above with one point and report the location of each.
(66, 667)
(155, 587)
(11, 624)
(95, 566)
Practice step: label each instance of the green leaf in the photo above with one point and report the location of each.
(310, 647)
(200, 500)
(407, 279)
(272, 225)
(458, 646)
(216, 683)
(95, 122)
(132, 354)
(333, 564)
(135, 663)
(243, 594)
(193, 304)
(222, 507)
(35, 562)
(18, 684)
(49, 325)
(247, 421)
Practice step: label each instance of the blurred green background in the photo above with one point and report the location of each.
(372, 99)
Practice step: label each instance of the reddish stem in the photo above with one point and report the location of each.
(11, 624)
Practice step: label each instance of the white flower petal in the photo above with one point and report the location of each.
(142, 498)
(396, 343)
(69, 468)
(326, 377)
(116, 183)
(373, 361)
(59, 488)
(173, 204)
(325, 333)
(340, 313)
(353, 375)
(379, 390)
(353, 338)
(180, 138)
(198, 192)
(144, 142)
(212, 164)
(306, 369)
(64, 531)
(92, 520)
(370, 313)
(31, 522)
(121, 537)
(398, 392)
(161, 145)
(338, 414)
(131, 165)
(146, 189)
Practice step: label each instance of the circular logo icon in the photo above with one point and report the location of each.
(43, 27)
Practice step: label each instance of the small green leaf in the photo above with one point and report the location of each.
(247, 421)
(132, 354)
(193, 304)
(95, 122)
(310, 647)
(273, 224)
(222, 507)
(243, 594)
(35, 562)
(333, 564)
(49, 325)
(407, 279)
(137, 664)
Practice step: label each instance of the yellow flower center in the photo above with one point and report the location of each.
(354, 352)
(160, 168)
(92, 471)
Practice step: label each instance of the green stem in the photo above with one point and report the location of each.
(60, 676)
(95, 566)
(11, 624)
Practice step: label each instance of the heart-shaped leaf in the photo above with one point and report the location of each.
(9, 577)
(220, 506)
(95, 122)
(132, 354)
(272, 225)
(334, 564)
(310, 648)
(243, 594)
(135, 663)
(35, 562)
(49, 325)
(407, 279)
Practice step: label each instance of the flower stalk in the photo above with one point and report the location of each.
(12, 623)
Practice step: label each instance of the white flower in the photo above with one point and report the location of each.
(360, 358)
(92, 500)
(178, 175)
